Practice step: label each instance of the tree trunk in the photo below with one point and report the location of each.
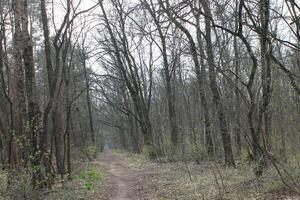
(88, 99)
(58, 131)
(237, 128)
(265, 109)
(44, 135)
(202, 93)
(215, 89)
(34, 114)
(68, 137)
(17, 92)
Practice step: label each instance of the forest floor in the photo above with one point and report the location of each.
(132, 177)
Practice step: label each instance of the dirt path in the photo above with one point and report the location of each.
(130, 177)
(123, 181)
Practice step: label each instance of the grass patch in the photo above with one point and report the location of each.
(118, 152)
(89, 177)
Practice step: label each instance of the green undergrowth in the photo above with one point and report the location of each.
(90, 152)
(89, 176)
(3, 181)
(119, 152)
(16, 184)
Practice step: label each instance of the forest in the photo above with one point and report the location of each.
(149, 99)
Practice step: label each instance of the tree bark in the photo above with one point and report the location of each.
(265, 109)
(88, 99)
(17, 92)
(34, 114)
(237, 128)
(229, 160)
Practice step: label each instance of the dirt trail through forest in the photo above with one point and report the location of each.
(124, 182)
(130, 177)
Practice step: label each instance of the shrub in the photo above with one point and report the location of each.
(3, 182)
(91, 152)
(16, 185)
